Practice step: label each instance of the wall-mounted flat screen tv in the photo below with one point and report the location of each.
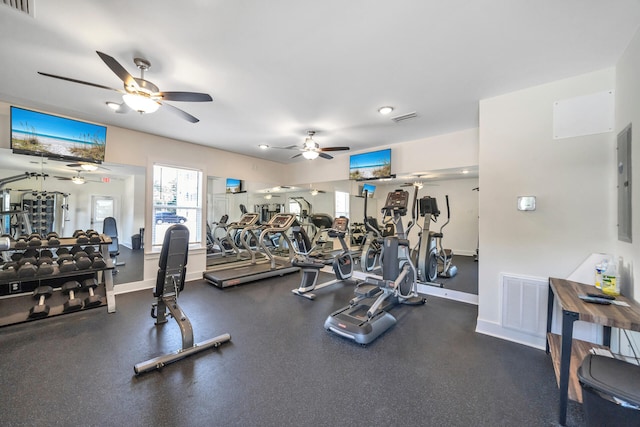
(233, 185)
(372, 165)
(369, 188)
(56, 137)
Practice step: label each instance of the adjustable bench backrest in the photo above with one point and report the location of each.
(173, 261)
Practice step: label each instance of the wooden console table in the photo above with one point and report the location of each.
(567, 354)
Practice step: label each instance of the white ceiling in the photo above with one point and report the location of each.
(279, 68)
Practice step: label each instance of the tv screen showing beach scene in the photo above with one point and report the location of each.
(373, 165)
(369, 188)
(56, 137)
(234, 185)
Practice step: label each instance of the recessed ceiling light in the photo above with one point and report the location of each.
(385, 110)
(263, 146)
(113, 105)
(465, 171)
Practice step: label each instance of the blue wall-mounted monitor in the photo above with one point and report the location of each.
(369, 188)
(372, 165)
(45, 135)
(233, 185)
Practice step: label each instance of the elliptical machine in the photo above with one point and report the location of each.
(310, 266)
(426, 254)
(445, 256)
(371, 247)
(365, 318)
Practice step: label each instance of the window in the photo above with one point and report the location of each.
(342, 204)
(177, 199)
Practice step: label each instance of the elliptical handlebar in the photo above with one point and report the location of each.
(448, 214)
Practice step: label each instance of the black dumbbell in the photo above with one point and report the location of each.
(9, 271)
(41, 309)
(53, 239)
(97, 260)
(66, 265)
(34, 240)
(27, 267)
(92, 300)
(83, 262)
(70, 289)
(21, 243)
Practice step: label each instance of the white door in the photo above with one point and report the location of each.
(101, 208)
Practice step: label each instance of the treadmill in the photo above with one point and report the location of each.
(242, 254)
(276, 266)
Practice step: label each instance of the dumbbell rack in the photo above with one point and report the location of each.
(16, 294)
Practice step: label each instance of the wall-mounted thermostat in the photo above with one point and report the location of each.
(527, 203)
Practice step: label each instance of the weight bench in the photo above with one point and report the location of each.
(169, 284)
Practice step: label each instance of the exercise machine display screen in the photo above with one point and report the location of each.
(341, 224)
(397, 201)
(248, 219)
(282, 221)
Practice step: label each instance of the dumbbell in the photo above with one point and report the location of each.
(53, 239)
(9, 271)
(21, 243)
(82, 260)
(92, 300)
(73, 303)
(81, 237)
(94, 236)
(97, 260)
(41, 309)
(34, 240)
(27, 267)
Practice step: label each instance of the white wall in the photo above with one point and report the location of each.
(573, 180)
(453, 150)
(628, 111)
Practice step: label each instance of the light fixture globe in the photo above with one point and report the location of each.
(77, 180)
(140, 103)
(310, 155)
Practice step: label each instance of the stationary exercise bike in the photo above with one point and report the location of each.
(366, 318)
(311, 265)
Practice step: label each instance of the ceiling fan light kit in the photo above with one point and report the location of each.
(310, 155)
(139, 94)
(140, 103)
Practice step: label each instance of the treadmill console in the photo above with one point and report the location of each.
(397, 201)
(281, 221)
(341, 224)
(247, 220)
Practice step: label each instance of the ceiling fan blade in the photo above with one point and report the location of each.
(188, 117)
(325, 156)
(297, 155)
(119, 70)
(78, 81)
(290, 147)
(333, 149)
(185, 96)
(63, 178)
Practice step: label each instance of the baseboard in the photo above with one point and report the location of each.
(496, 330)
(448, 294)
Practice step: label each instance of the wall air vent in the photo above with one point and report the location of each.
(404, 117)
(24, 6)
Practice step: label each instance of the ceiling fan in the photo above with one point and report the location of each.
(139, 94)
(311, 150)
(86, 166)
(76, 179)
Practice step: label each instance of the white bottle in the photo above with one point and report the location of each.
(610, 285)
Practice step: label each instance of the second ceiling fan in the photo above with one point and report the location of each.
(311, 150)
(139, 94)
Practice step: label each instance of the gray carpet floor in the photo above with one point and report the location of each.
(281, 367)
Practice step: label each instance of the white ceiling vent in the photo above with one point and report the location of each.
(24, 6)
(404, 117)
